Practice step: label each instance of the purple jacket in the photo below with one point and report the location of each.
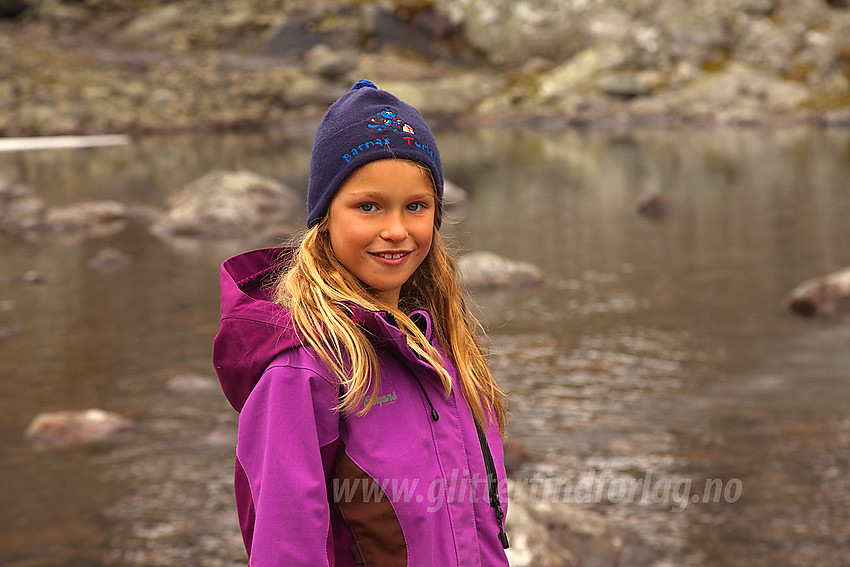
(406, 484)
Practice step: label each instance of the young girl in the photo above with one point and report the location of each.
(370, 427)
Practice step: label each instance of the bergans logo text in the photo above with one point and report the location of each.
(383, 400)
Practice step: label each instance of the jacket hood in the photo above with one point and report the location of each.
(254, 330)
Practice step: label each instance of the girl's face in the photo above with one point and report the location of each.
(381, 223)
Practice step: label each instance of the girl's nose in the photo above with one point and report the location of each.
(395, 230)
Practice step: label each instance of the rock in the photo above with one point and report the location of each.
(153, 28)
(35, 277)
(658, 207)
(419, 29)
(825, 296)
(487, 270)
(453, 196)
(577, 72)
(227, 204)
(66, 428)
(329, 63)
(10, 9)
(512, 32)
(549, 532)
(23, 215)
(192, 383)
(19, 208)
(81, 220)
(837, 118)
(295, 37)
(515, 456)
(759, 7)
(628, 84)
(109, 258)
(6, 330)
(739, 94)
(454, 95)
(308, 90)
(12, 191)
(222, 435)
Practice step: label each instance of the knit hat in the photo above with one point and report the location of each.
(364, 125)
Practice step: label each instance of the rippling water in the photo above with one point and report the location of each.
(655, 349)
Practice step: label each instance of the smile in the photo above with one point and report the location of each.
(390, 255)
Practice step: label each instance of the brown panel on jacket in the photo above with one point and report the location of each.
(373, 523)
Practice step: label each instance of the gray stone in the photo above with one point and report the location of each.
(825, 296)
(309, 90)
(66, 428)
(330, 63)
(630, 84)
(227, 204)
(192, 383)
(737, 94)
(453, 196)
(488, 270)
(82, 220)
(511, 31)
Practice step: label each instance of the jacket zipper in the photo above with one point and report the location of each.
(492, 485)
(490, 466)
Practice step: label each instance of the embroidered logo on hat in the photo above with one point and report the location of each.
(387, 120)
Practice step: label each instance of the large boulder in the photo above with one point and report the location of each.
(488, 270)
(825, 296)
(228, 204)
(511, 31)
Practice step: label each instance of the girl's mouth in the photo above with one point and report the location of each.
(390, 257)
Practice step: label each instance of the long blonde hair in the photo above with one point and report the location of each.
(316, 289)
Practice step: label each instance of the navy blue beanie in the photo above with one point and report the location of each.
(364, 125)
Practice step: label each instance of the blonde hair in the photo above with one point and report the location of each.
(317, 290)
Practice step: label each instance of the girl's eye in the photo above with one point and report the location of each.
(415, 207)
(367, 207)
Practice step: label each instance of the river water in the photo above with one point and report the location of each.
(656, 355)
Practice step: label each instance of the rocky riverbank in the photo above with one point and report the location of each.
(99, 66)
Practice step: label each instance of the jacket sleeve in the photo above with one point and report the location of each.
(287, 431)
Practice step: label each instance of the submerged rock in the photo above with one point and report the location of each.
(227, 204)
(66, 428)
(81, 220)
(6, 330)
(34, 277)
(109, 258)
(488, 270)
(192, 383)
(822, 297)
(658, 207)
(545, 532)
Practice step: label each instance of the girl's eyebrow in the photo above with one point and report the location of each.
(378, 195)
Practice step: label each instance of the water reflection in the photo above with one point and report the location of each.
(653, 346)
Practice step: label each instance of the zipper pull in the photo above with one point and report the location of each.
(503, 537)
